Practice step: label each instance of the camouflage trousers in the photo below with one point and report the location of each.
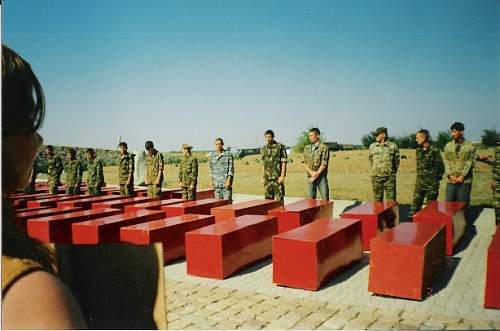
(223, 193)
(94, 190)
(52, 184)
(423, 193)
(154, 191)
(385, 184)
(73, 189)
(188, 194)
(274, 190)
(126, 190)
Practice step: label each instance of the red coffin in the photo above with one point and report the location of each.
(301, 212)
(308, 256)
(375, 216)
(404, 260)
(57, 228)
(23, 217)
(107, 229)
(219, 250)
(87, 201)
(202, 207)
(492, 288)
(121, 203)
(153, 205)
(253, 207)
(169, 231)
(200, 194)
(451, 214)
(52, 202)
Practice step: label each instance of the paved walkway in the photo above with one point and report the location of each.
(249, 300)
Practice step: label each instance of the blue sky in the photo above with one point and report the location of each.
(189, 71)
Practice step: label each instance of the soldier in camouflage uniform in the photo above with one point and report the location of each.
(459, 157)
(222, 169)
(154, 170)
(95, 175)
(384, 162)
(430, 170)
(315, 161)
(188, 174)
(274, 160)
(73, 172)
(126, 171)
(54, 170)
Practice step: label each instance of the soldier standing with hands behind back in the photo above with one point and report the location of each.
(188, 173)
(74, 173)
(126, 171)
(274, 160)
(384, 162)
(430, 170)
(54, 169)
(154, 170)
(95, 175)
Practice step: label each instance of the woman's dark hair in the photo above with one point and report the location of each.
(23, 103)
(23, 109)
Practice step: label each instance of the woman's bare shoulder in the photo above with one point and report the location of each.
(39, 300)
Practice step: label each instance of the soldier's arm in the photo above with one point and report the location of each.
(181, 170)
(283, 160)
(195, 171)
(59, 166)
(325, 157)
(447, 169)
(100, 172)
(306, 167)
(230, 169)
(439, 164)
(130, 171)
(469, 161)
(160, 167)
(370, 156)
(79, 173)
(397, 159)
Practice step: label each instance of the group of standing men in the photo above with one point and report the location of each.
(456, 163)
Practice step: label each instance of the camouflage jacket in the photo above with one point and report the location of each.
(188, 171)
(496, 166)
(430, 167)
(95, 175)
(154, 164)
(221, 166)
(74, 173)
(273, 156)
(316, 155)
(54, 167)
(125, 168)
(384, 158)
(459, 159)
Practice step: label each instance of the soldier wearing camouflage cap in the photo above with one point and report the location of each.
(430, 170)
(154, 170)
(126, 171)
(73, 172)
(384, 162)
(274, 160)
(95, 174)
(188, 173)
(54, 169)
